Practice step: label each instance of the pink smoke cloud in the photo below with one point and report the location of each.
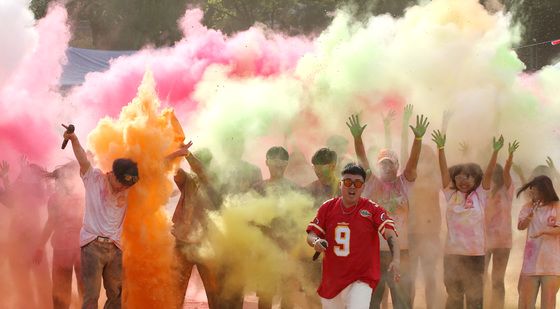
(29, 99)
(178, 69)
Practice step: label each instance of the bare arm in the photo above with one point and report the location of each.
(197, 168)
(394, 247)
(387, 128)
(404, 133)
(182, 151)
(79, 152)
(487, 177)
(45, 235)
(439, 139)
(356, 129)
(509, 162)
(419, 130)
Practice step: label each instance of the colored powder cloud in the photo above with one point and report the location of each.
(145, 135)
(260, 241)
(29, 101)
(178, 69)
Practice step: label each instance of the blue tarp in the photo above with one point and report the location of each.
(82, 61)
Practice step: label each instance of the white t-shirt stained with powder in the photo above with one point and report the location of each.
(104, 211)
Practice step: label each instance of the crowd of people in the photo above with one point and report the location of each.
(374, 225)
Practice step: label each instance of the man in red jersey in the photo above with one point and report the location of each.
(346, 230)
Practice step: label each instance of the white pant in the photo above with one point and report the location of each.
(355, 296)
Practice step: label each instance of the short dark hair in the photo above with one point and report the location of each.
(545, 187)
(353, 169)
(126, 171)
(324, 156)
(278, 152)
(469, 169)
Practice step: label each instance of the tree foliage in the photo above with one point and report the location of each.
(132, 24)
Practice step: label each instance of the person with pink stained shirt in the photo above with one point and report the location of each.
(65, 216)
(541, 257)
(391, 191)
(498, 227)
(465, 188)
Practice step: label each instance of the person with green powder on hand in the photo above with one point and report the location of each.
(391, 191)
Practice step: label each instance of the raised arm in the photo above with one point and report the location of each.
(387, 119)
(439, 139)
(357, 129)
(419, 130)
(199, 169)
(407, 113)
(497, 144)
(182, 151)
(512, 147)
(79, 152)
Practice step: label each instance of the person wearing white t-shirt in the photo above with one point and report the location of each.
(391, 191)
(499, 236)
(100, 236)
(465, 188)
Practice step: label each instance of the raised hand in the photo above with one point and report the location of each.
(439, 138)
(497, 144)
(407, 113)
(421, 126)
(184, 149)
(387, 119)
(4, 168)
(355, 127)
(550, 163)
(512, 147)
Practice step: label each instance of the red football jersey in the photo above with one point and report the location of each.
(353, 249)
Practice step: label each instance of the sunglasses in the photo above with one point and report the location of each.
(347, 182)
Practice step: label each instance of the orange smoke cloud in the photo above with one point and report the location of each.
(145, 135)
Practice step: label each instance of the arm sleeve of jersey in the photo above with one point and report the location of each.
(318, 225)
(382, 221)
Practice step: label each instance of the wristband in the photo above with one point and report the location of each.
(418, 138)
(441, 147)
(318, 239)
